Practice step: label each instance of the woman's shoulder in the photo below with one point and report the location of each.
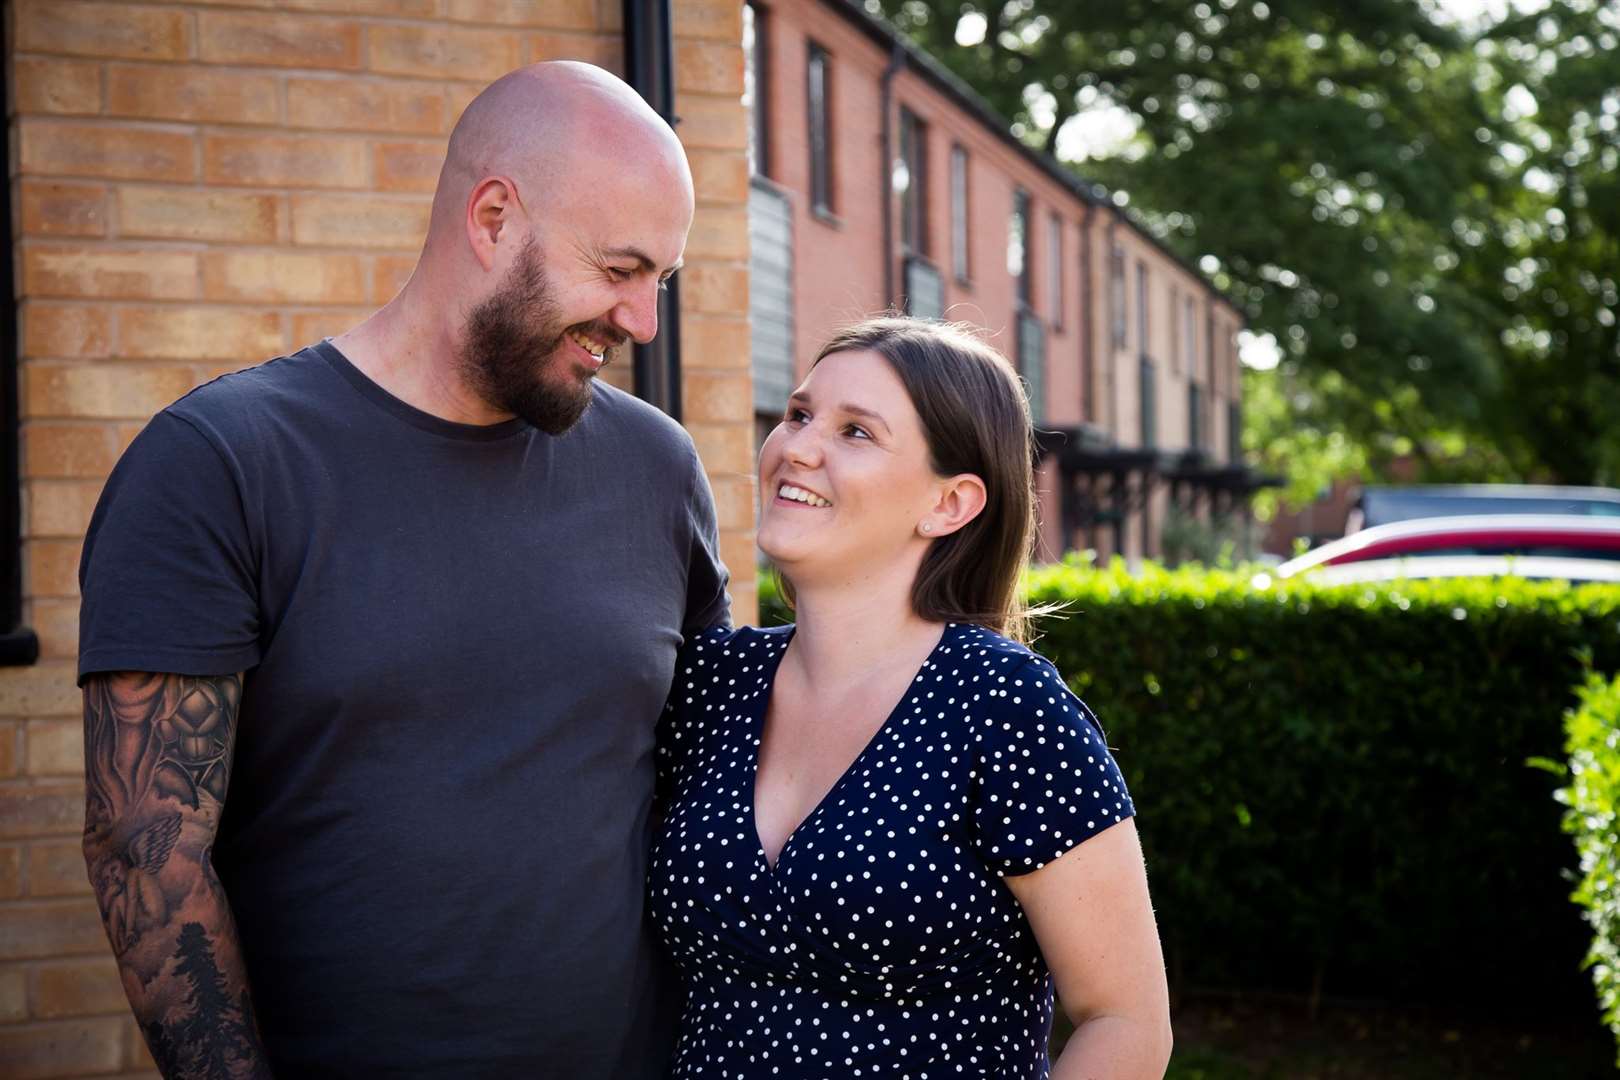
(725, 651)
(984, 649)
(728, 642)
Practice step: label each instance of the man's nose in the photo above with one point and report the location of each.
(637, 313)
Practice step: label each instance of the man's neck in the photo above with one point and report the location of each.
(411, 354)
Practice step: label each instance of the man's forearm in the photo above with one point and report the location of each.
(182, 970)
(157, 757)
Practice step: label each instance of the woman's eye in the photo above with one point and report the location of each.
(858, 432)
(795, 416)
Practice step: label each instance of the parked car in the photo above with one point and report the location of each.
(1454, 566)
(1381, 505)
(1543, 536)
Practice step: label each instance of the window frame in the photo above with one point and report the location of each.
(757, 67)
(818, 111)
(914, 238)
(1023, 283)
(1054, 268)
(1118, 299)
(961, 230)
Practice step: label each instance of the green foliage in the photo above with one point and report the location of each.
(1593, 818)
(1332, 782)
(1435, 258)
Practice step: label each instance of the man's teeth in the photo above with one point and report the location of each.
(798, 494)
(595, 348)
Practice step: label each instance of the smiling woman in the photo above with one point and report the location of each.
(890, 830)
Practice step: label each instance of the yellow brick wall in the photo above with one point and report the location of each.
(196, 187)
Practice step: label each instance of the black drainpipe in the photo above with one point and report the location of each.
(650, 66)
(18, 645)
(897, 60)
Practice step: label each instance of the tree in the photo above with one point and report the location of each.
(1350, 175)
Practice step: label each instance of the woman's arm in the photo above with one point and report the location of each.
(1092, 917)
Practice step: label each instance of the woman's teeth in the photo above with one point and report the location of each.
(798, 494)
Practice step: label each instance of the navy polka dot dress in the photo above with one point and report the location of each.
(883, 943)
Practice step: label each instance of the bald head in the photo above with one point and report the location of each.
(555, 129)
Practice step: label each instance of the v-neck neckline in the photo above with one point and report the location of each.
(763, 709)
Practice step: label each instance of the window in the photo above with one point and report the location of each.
(911, 180)
(1195, 416)
(1018, 246)
(1116, 296)
(821, 197)
(1031, 348)
(1189, 334)
(959, 213)
(1234, 433)
(1215, 381)
(1148, 391)
(1054, 269)
(754, 87)
(1175, 333)
(1141, 309)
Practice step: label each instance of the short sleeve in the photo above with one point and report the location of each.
(707, 603)
(694, 671)
(167, 575)
(1045, 778)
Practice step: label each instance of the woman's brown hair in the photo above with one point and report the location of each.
(976, 418)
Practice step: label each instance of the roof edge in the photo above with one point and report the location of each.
(1089, 192)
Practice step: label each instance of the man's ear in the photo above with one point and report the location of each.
(961, 499)
(490, 209)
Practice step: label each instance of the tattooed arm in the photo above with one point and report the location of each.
(157, 758)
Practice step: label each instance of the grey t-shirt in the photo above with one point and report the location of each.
(457, 641)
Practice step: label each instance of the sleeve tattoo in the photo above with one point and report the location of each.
(157, 759)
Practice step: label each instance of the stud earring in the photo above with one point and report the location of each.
(926, 528)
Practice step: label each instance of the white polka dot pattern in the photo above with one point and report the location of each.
(883, 943)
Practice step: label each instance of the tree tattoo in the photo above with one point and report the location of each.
(157, 762)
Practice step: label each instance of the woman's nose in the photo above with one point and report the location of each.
(803, 446)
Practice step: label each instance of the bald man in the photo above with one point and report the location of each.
(375, 636)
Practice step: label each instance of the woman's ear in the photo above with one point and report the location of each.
(961, 499)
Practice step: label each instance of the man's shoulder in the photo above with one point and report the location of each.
(238, 402)
(632, 424)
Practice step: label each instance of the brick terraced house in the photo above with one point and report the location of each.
(880, 179)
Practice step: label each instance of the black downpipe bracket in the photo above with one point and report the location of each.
(649, 64)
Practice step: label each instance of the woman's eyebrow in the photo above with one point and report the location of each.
(857, 410)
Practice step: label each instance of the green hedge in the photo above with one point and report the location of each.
(1334, 783)
(1593, 796)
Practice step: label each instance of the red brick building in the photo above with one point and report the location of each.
(880, 179)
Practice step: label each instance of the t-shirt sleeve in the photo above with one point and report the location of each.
(708, 605)
(1045, 778)
(167, 575)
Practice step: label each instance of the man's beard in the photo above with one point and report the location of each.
(509, 350)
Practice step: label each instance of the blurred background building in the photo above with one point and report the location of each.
(878, 178)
